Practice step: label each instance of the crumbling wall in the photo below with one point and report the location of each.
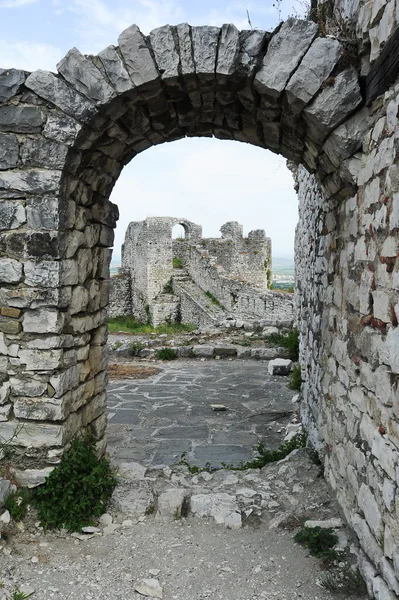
(247, 259)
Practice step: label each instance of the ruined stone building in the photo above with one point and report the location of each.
(211, 279)
(325, 96)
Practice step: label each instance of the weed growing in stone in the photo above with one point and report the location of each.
(17, 503)
(78, 490)
(320, 542)
(295, 379)
(177, 263)
(18, 595)
(166, 354)
(135, 348)
(289, 341)
(213, 299)
(264, 457)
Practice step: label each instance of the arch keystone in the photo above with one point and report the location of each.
(138, 60)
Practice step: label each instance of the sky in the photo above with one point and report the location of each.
(205, 180)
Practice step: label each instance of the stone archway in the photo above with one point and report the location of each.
(66, 139)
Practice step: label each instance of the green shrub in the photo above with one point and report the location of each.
(295, 379)
(177, 263)
(166, 354)
(289, 341)
(17, 503)
(78, 490)
(320, 542)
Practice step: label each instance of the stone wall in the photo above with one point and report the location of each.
(120, 293)
(247, 259)
(347, 295)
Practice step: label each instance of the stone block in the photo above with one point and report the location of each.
(115, 69)
(52, 88)
(243, 352)
(314, 69)
(11, 82)
(85, 77)
(10, 271)
(21, 119)
(369, 506)
(229, 47)
(42, 152)
(28, 387)
(43, 320)
(285, 51)
(333, 104)
(31, 477)
(203, 351)
(43, 273)
(170, 503)
(205, 44)
(61, 128)
(40, 360)
(33, 181)
(10, 326)
(9, 153)
(137, 58)
(165, 51)
(279, 366)
(226, 350)
(266, 353)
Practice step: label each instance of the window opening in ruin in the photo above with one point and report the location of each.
(180, 232)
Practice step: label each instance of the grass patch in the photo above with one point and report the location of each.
(177, 263)
(166, 354)
(130, 325)
(295, 379)
(78, 490)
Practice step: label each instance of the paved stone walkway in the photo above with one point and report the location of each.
(154, 421)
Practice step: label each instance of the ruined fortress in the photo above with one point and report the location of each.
(194, 279)
(329, 103)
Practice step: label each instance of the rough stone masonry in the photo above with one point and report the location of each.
(64, 139)
(235, 270)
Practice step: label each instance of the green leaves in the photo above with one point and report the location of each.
(77, 491)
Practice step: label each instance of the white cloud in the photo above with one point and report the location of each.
(210, 182)
(97, 24)
(28, 55)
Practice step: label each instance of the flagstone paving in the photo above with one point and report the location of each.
(154, 421)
